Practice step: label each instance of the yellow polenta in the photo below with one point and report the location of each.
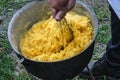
(49, 40)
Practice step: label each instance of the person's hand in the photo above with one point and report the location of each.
(59, 8)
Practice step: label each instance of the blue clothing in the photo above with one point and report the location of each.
(115, 4)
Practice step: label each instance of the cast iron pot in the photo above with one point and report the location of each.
(59, 70)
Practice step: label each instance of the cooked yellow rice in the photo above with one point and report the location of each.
(47, 41)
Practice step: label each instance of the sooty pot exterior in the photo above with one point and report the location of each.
(60, 70)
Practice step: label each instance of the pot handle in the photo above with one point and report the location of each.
(22, 60)
(20, 57)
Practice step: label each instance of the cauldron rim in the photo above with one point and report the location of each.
(86, 6)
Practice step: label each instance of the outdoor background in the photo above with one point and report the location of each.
(11, 69)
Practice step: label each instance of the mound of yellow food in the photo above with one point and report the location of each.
(50, 40)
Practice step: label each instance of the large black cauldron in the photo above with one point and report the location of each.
(59, 70)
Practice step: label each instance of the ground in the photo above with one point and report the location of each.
(11, 69)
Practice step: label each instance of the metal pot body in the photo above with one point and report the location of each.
(59, 70)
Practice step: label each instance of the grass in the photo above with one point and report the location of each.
(6, 67)
(103, 34)
(8, 64)
(104, 31)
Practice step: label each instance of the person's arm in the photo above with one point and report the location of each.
(59, 8)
